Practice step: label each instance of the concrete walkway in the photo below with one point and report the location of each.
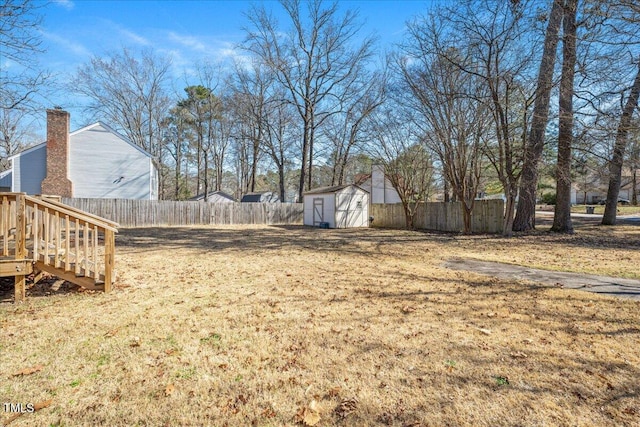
(627, 288)
(546, 218)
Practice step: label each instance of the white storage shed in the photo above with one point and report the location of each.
(342, 206)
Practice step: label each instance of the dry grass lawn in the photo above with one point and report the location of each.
(277, 326)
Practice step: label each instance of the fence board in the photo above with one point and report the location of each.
(151, 213)
(486, 216)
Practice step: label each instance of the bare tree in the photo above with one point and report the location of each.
(347, 129)
(525, 214)
(220, 137)
(20, 42)
(177, 134)
(251, 90)
(406, 160)
(494, 45)
(279, 137)
(311, 61)
(201, 109)
(21, 77)
(452, 124)
(14, 135)
(129, 93)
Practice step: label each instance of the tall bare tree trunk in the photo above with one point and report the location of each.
(562, 211)
(303, 162)
(615, 166)
(634, 186)
(525, 214)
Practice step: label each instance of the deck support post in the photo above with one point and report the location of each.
(21, 247)
(109, 257)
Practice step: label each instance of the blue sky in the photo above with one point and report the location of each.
(187, 31)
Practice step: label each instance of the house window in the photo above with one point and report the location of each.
(359, 205)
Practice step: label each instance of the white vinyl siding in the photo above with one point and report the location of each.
(328, 208)
(102, 165)
(352, 206)
(344, 208)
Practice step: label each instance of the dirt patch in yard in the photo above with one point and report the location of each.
(289, 325)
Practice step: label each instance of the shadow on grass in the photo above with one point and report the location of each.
(47, 286)
(258, 239)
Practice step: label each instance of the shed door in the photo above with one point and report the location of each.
(318, 211)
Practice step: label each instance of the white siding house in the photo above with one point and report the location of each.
(5, 181)
(342, 206)
(379, 186)
(100, 164)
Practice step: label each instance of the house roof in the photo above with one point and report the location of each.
(361, 178)
(333, 189)
(213, 194)
(86, 128)
(260, 197)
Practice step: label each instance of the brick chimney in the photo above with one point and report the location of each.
(57, 180)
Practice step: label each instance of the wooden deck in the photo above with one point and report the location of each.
(44, 235)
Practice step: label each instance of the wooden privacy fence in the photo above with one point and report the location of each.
(57, 239)
(151, 213)
(439, 216)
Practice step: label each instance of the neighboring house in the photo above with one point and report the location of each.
(264, 197)
(214, 197)
(341, 206)
(593, 189)
(93, 162)
(378, 185)
(5, 181)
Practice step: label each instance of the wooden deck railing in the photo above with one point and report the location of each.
(61, 240)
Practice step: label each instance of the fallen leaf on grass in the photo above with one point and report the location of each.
(42, 405)
(308, 415)
(36, 407)
(519, 355)
(346, 407)
(29, 371)
(111, 333)
(268, 413)
(485, 331)
(408, 309)
(168, 391)
(334, 391)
